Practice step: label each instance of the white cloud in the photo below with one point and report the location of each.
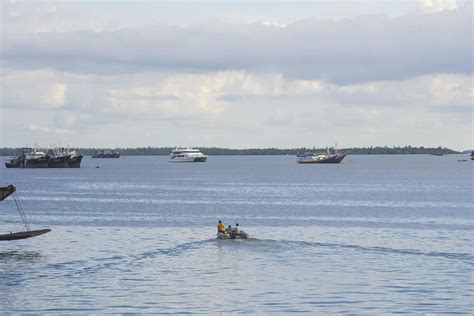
(178, 95)
(65, 120)
(223, 103)
(274, 24)
(47, 16)
(343, 51)
(48, 130)
(282, 117)
(55, 94)
(33, 88)
(431, 6)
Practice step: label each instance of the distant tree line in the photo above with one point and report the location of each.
(214, 151)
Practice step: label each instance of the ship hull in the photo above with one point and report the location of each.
(37, 163)
(13, 164)
(333, 159)
(75, 162)
(58, 162)
(28, 163)
(192, 159)
(200, 159)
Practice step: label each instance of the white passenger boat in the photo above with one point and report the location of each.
(180, 154)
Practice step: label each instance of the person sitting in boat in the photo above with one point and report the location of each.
(237, 229)
(228, 231)
(220, 227)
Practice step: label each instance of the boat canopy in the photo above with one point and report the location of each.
(6, 191)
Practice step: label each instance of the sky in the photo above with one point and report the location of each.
(237, 74)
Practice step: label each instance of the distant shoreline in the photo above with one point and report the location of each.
(215, 151)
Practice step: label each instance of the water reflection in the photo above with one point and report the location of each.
(18, 256)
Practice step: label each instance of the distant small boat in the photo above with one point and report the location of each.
(437, 154)
(472, 155)
(321, 157)
(106, 153)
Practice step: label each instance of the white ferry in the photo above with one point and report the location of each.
(180, 154)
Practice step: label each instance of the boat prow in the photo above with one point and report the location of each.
(23, 235)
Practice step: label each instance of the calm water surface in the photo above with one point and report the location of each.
(375, 234)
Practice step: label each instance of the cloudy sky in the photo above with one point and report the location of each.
(237, 74)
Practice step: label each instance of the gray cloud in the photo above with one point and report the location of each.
(367, 48)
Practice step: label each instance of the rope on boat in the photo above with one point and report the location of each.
(22, 213)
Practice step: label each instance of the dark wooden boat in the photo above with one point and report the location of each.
(23, 235)
(27, 233)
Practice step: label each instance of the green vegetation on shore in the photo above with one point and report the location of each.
(213, 151)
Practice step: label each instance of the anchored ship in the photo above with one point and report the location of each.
(106, 153)
(321, 157)
(49, 158)
(180, 154)
(57, 158)
(27, 157)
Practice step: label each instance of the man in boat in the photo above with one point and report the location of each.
(237, 229)
(221, 231)
(220, 227)
(228, 231)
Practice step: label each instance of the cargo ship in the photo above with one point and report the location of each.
(27, 157)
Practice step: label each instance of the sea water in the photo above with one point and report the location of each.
(374, 234)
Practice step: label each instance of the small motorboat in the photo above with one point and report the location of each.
(232, 235)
